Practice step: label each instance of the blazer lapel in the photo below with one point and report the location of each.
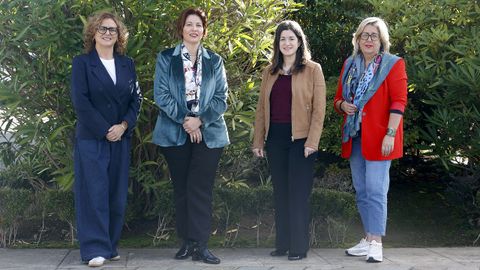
(123, 76)
(99, 70)
(121, 70)
(178, 75)
(206, 90)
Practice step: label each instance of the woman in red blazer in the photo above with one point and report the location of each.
(371, 96)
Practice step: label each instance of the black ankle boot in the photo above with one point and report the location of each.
(186, 250)
(202, 253)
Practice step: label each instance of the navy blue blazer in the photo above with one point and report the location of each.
(100, 104)
(169, 95)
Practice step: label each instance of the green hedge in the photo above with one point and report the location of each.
(14, 206)
(239, 214)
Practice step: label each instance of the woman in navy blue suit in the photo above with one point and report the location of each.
(106, 98)
(191, 92)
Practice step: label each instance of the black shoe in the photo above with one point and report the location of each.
(205, 255)
(296, 256)
(185, 251)
(278, 253)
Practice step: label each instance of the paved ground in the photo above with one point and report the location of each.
(249, 259)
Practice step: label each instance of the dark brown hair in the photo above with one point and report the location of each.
(183, 17)
(94, 22)
(303, 53)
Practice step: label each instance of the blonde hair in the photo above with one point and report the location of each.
(382, 30)
(94, 22)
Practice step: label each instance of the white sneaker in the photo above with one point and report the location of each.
(375, 252)
(96, 262)
(360, 249)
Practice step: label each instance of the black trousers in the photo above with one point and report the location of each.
(192, 169)
(292, 177)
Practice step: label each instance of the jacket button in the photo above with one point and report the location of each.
(364, 113)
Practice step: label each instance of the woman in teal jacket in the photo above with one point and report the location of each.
(190, 89)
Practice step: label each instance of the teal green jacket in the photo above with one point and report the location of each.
(169, 95)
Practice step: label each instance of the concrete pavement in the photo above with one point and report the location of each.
(249, 259)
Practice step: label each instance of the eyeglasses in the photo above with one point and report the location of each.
(365, 36)
(103, 29)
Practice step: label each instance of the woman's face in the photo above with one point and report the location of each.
(106, 34)
(288, 43)
(192, 29)
(369, 41)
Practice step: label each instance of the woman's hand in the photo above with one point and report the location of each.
(258, 152)
(348, 108)
(196, 136)
(308, 151)
(115, 132)
(387, 145)
(191, 124)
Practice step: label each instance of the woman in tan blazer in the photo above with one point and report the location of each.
(289, 117)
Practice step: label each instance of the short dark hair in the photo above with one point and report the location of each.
(183, 17)
(303, 52)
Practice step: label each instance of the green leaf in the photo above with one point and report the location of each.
(21, 34)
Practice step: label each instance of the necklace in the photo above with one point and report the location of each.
(287, 71)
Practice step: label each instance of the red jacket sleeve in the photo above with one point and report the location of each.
(397, 84)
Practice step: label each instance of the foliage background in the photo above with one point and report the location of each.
(38, 42)
(439, 40)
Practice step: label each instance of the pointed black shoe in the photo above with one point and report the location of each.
(296, 256)
(185, 251)
(205, 255)
(278, 253)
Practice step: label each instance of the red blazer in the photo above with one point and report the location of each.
(392, 94)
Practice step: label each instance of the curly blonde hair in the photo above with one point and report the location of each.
(94, 22)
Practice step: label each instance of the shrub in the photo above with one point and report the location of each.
(13, 211)
(61, 204)
(39, 39)
(332, 211)
(336, 178)
(440, 42)
(443, 67)
(233, 209)
(329, 25)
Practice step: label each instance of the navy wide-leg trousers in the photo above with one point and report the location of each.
(101, 186)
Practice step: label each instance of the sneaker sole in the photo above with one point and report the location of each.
(372, 260)
(95, 264)
(355, 255)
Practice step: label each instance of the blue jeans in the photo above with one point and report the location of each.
(370, 180)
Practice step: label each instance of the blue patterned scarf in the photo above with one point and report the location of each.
(360, 84)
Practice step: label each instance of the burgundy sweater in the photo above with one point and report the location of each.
(281, 100)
